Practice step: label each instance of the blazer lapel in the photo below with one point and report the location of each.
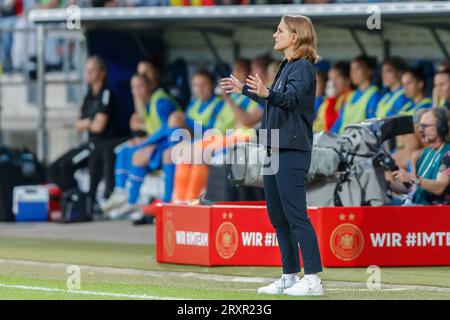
(276, 85)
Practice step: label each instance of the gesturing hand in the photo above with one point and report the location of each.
(256, 86)
(231, 85)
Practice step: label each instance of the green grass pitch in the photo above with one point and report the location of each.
(37, 269)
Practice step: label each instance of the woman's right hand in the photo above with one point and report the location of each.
(231, 85)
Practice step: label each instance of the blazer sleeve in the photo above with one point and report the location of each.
(254, 97)
(299, 81)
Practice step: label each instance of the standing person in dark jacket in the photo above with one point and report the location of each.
(289, 108)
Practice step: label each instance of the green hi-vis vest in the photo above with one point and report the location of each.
(226, 119)
(205, 116)
(386, 103)
(409, 109)
(355, 112)
(152, 120)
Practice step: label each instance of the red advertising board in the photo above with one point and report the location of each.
(385, 236)
(241, 234)
(183, 234)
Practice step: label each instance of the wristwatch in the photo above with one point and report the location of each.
(416, 181)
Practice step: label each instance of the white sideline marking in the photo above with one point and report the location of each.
(350, 286)
(91, 293)
(348, 289)
(140, 272)
(367, 290)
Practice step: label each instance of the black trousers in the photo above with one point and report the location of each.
(98, 157)
(61, 171)
(285, 193)
(101, 164)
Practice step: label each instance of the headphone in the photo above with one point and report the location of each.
(442, 127)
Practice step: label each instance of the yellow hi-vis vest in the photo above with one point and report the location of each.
(387, 102)
(205, 116)
(226, 119)
(409, 109)
(152, 120)
(355, 112)
(319, 122)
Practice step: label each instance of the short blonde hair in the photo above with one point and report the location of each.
(307, 45)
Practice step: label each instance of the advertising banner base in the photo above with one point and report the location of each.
(240, 234)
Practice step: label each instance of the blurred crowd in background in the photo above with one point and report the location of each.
(346, 92)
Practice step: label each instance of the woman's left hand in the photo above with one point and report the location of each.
(256, 86)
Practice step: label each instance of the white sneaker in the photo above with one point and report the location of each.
(306, 287)
(279, 286)
(118, 198)
(136, 215)
(123, 212)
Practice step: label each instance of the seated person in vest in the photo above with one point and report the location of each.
(338, 88)
(442, 87)
(428, 177)
(361, 103)
(140, 156)
(150, 71)
(201, 114)
(438, 102)
(321, 83)
(413, 82)
(140, 90)
(394, 100)
(238, 112)
(98, 120)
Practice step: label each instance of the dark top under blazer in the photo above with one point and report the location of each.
(290, 105)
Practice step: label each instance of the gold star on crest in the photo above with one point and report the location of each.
(230, 215)
(342, 217)
(351, 217)
(224, 215)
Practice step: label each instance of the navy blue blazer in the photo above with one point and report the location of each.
(290, 105)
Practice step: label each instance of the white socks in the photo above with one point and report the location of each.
(290, 277)
(312, 277)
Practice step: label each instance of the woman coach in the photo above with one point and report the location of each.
(289, 107)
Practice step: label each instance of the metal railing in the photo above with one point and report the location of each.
(36, 86)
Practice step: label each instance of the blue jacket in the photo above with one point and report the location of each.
(290, 105)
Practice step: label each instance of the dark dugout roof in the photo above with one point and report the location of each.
(435, 14)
